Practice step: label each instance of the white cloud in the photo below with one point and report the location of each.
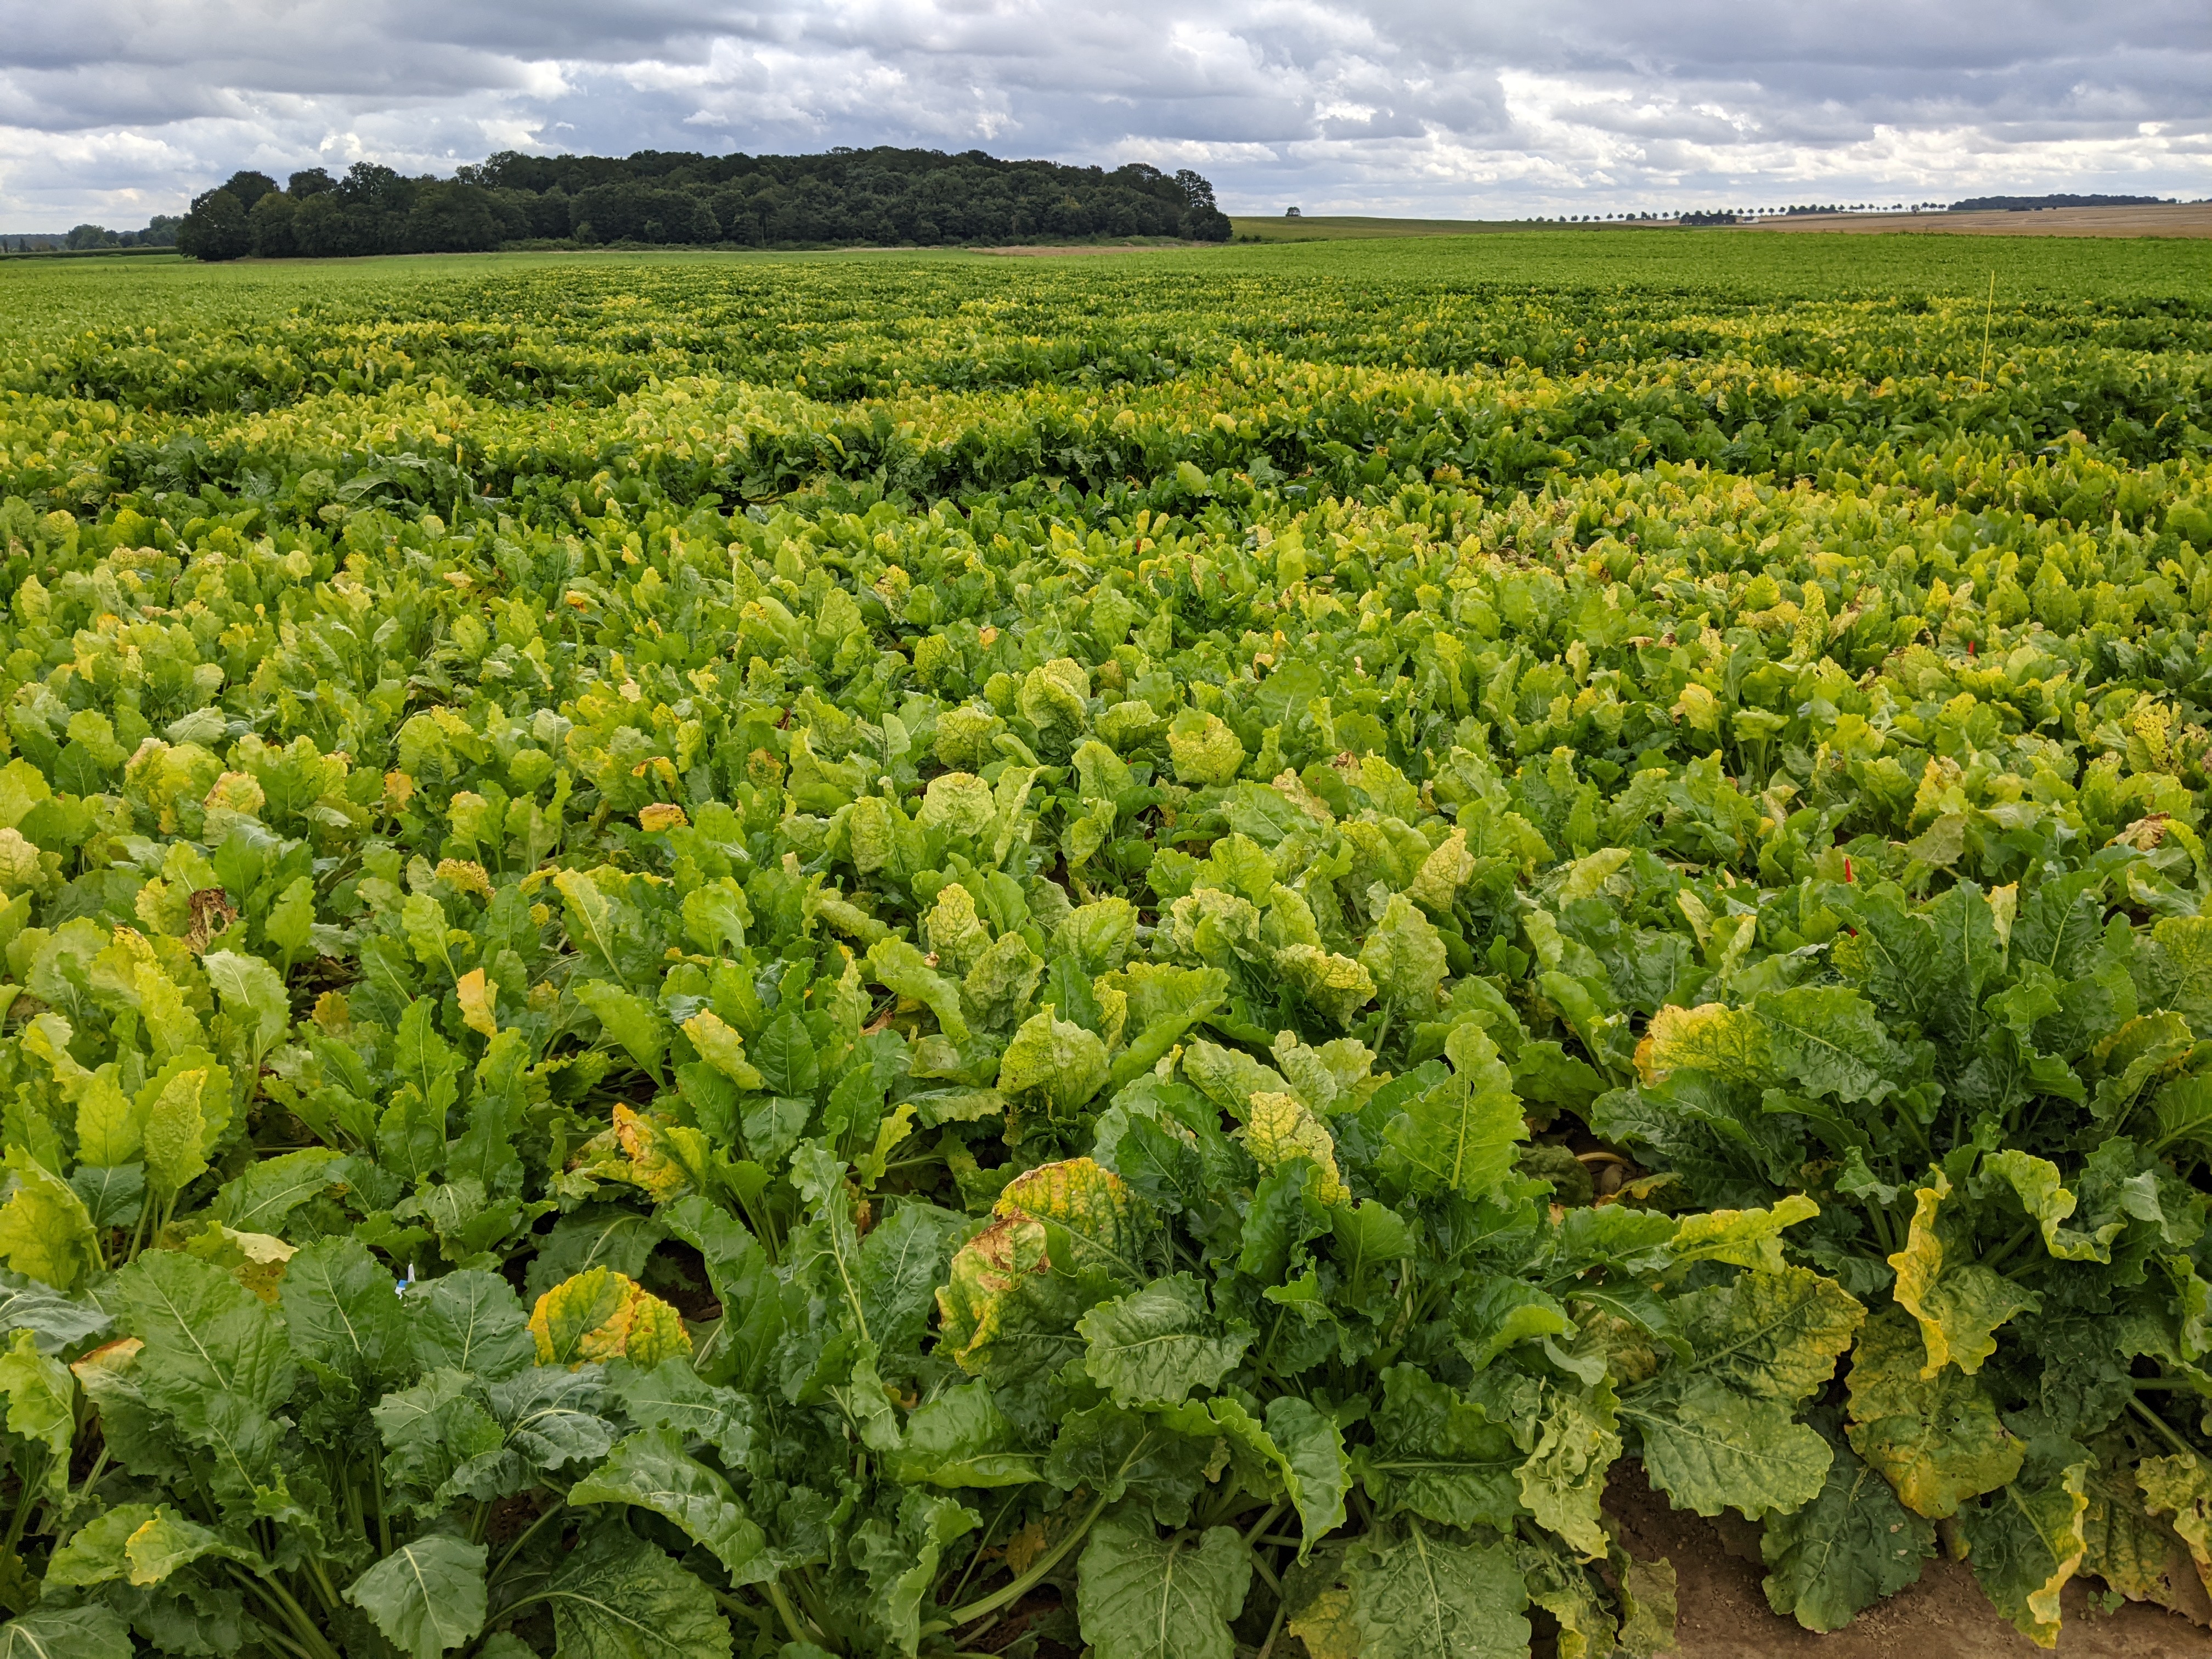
(111, 109)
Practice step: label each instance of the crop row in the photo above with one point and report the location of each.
(987, 981)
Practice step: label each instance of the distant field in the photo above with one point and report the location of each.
(2192, 219)
(1727, 268)
(1321, 228)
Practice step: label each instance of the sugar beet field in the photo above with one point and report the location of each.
(1183, 954)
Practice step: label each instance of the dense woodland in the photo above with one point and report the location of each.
(846, 197)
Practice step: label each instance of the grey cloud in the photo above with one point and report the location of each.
(1507, 109)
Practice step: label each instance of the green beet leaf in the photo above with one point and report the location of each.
(1157, 1345)
(80, 1632)
(1142, 1596)
(260, 1199)
(1460, 1135)
(469, 1320)
(1417, 1594)
(45, 1232)
(1117, 1453)
(1438, 1455)
(1710, 1448)
(340, 1312)
(651, 1470)
(616, 1597)
(2025, 1542)
(426, 1597)
(1850, 1548)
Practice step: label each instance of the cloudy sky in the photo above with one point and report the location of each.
(111, 110)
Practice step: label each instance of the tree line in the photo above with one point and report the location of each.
(2030, 204)
(94, 238)
(872, 197)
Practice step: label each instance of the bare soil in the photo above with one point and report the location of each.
(1724, 1613)
(2187, 219)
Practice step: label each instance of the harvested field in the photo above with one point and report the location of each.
(2189, 219)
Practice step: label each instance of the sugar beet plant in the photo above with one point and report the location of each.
(1166, 1002)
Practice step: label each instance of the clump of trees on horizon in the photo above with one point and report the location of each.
(162, 231)
(846, 197)
(2030, 204)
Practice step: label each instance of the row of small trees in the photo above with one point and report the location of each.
(845, 197)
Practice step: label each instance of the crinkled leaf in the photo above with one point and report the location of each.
(181, 1127)
(1317, 1474)
(738, 1268)
(1562, 1479)
(1062, 1237)
(1142, 1596)
(41, 1398)
(1060, 1063)
(651, 1469)
(1438, 1455)
(551, 1417)
(905, 970)
(253, 996)
(1849, 1548)
(601, 1314)
(962, 1438)
(471, 1321)
(1647, 1606)
(1937, 1440)
(1405, 956)
(1157, 1345)
(1776, 1335)
(1117, 1453)
(1418, 1594)
(1280, 1128)
(440, 1438)
(45, 1232)
(1327, 1626)
(634, 1024)
(1459, 1136)
(616, 1596)
(1229, 1077)
(1564, 1587)
(2129, 1548)
(901, 1262)
(2181, 1487)
(2035, 1182)
(1959, 1303)
(1710, 1448)
(1748, 1238)
(66, 1633)
(902, 1561)
(2024, 1542)
(110, 1129)
(426, 1596)
(721, 1046)
(143, 1543)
